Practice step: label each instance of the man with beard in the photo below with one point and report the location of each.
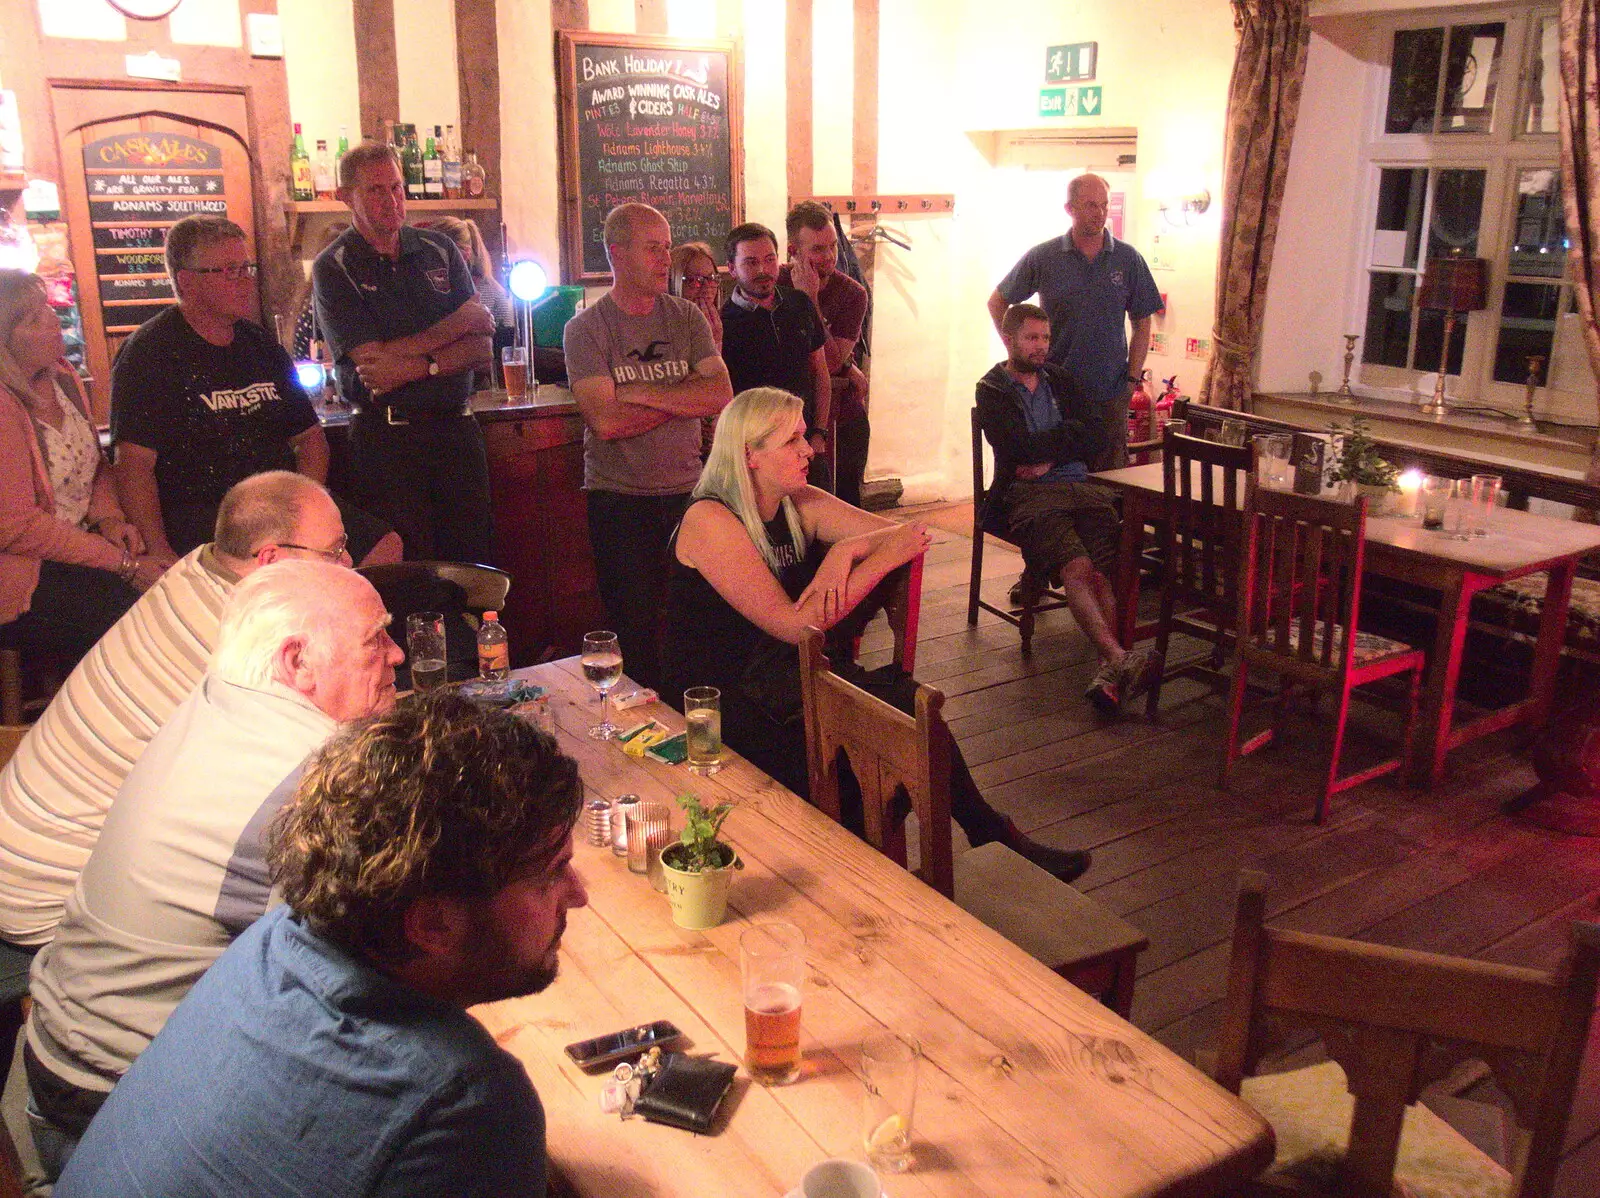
(1043, 435)
(426, 863)
(772, 337)
(1089, 283)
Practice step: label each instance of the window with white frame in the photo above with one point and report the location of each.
(1464, 158)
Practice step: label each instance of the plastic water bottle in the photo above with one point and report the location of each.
(494, 650)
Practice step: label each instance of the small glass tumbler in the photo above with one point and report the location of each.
(772, 968)
(889, 1068)
(1485, 497)
(649, 831)
(1435, 497)
(620, 806)
(1273, 461)
(1458, 511)
(702, 721)
(1233, 432)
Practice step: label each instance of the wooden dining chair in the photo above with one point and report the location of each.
(1394, 1021)
(1298, 609)
(1021, 618)
(902, 764)
(1203, 484)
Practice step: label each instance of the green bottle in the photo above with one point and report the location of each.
(433, 168)
(411, 164)
(301, 185)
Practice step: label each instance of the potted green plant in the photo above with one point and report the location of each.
(699, 867)
(1358, 465)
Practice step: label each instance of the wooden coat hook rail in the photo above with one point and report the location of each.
(881, 205)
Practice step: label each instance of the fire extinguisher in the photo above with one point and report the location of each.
(1139, 405)
(1164, 404)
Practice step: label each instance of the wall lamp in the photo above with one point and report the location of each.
(1180, 211)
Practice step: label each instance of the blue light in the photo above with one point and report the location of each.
(311, 376)
(528, 281)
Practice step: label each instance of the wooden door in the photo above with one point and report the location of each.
(127, 179)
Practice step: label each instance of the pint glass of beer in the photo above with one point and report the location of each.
(772, 965)
(514, 366)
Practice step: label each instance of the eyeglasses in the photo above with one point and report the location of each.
(333, 554)
(233, 272)
(699, 280)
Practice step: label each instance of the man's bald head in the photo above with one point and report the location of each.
(623, 221)
(266, 509)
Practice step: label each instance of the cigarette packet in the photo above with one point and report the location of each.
(636, 698)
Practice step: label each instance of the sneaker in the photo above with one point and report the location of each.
(1068, 865)
(1105, 692)
(1136, 671)
(1026, 591)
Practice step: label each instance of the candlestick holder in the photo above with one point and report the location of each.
(1344, 394)
(1535, 370)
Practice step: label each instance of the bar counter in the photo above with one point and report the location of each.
(541, 536)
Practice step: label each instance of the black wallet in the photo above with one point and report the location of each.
(686, 1093)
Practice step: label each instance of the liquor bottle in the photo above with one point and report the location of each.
(433, 168)
(344, 148)
(301, 184)
(322, 172)
(451, 156)
(494, 649)
(411, 164)
(472, 176)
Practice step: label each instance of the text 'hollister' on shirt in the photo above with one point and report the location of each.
(660, 348)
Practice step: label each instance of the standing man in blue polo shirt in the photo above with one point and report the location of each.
(403, 320)
(1090, 284)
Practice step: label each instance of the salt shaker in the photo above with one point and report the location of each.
(619, 823)
(597, 822)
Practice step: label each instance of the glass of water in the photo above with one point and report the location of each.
(602, 666)
(425, 649)
(702, 717)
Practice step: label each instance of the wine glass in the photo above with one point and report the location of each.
(602, 666)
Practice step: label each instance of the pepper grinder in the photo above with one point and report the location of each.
(1344, 393)
(1535, 369)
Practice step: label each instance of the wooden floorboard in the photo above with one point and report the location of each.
(1446, 872)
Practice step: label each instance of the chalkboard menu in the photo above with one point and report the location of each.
(139, 184)
(651, 120)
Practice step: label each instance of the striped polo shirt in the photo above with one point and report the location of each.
(56, 790)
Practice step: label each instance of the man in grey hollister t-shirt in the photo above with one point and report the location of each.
(644, 370)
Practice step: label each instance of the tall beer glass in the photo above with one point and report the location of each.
(772, 965)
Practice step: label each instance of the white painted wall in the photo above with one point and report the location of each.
(425, 58)
(319, 54)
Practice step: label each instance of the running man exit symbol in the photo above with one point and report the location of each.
(1064, 64)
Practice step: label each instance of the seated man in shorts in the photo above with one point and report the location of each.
(1043, 436)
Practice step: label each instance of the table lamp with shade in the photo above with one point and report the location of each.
(1450, 285)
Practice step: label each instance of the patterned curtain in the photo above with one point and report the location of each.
(1580, 168)
(1263, 100)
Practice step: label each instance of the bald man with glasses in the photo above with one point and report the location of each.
(202, 397)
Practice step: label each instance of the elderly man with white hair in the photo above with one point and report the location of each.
(180, 866)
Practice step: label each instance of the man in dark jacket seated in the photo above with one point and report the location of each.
(1043, 438)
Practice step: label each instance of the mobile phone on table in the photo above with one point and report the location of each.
(674, 750)
(631, 1042)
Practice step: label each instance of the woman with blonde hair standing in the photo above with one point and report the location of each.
(70, 562)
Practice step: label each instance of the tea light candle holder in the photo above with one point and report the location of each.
(1410, 484)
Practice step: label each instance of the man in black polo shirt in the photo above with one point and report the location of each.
(402, 318)
(772, 337)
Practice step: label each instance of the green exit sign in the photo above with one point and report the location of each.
(1064, 64)
(1070, 101)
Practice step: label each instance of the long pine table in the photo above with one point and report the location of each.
(1518, 544)
(1028, 1086)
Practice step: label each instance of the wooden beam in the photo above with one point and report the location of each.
(569, 14)
(22, 66)
(864, 123)
(377, 65)
(478, 77)
(650, 16)
(799, 69)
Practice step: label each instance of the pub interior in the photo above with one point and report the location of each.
(877, 726)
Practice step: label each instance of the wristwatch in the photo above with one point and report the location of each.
(1134, 379)
(433, 365)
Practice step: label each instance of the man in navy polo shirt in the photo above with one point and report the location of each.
(403, 320)
(1088, 282)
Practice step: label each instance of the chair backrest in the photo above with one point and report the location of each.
(1204, 486)
(1397, 1019)
(903, 609)
(483, 588)
(1300, 580)
(10, 737)
(980, 492)
(889, 752)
